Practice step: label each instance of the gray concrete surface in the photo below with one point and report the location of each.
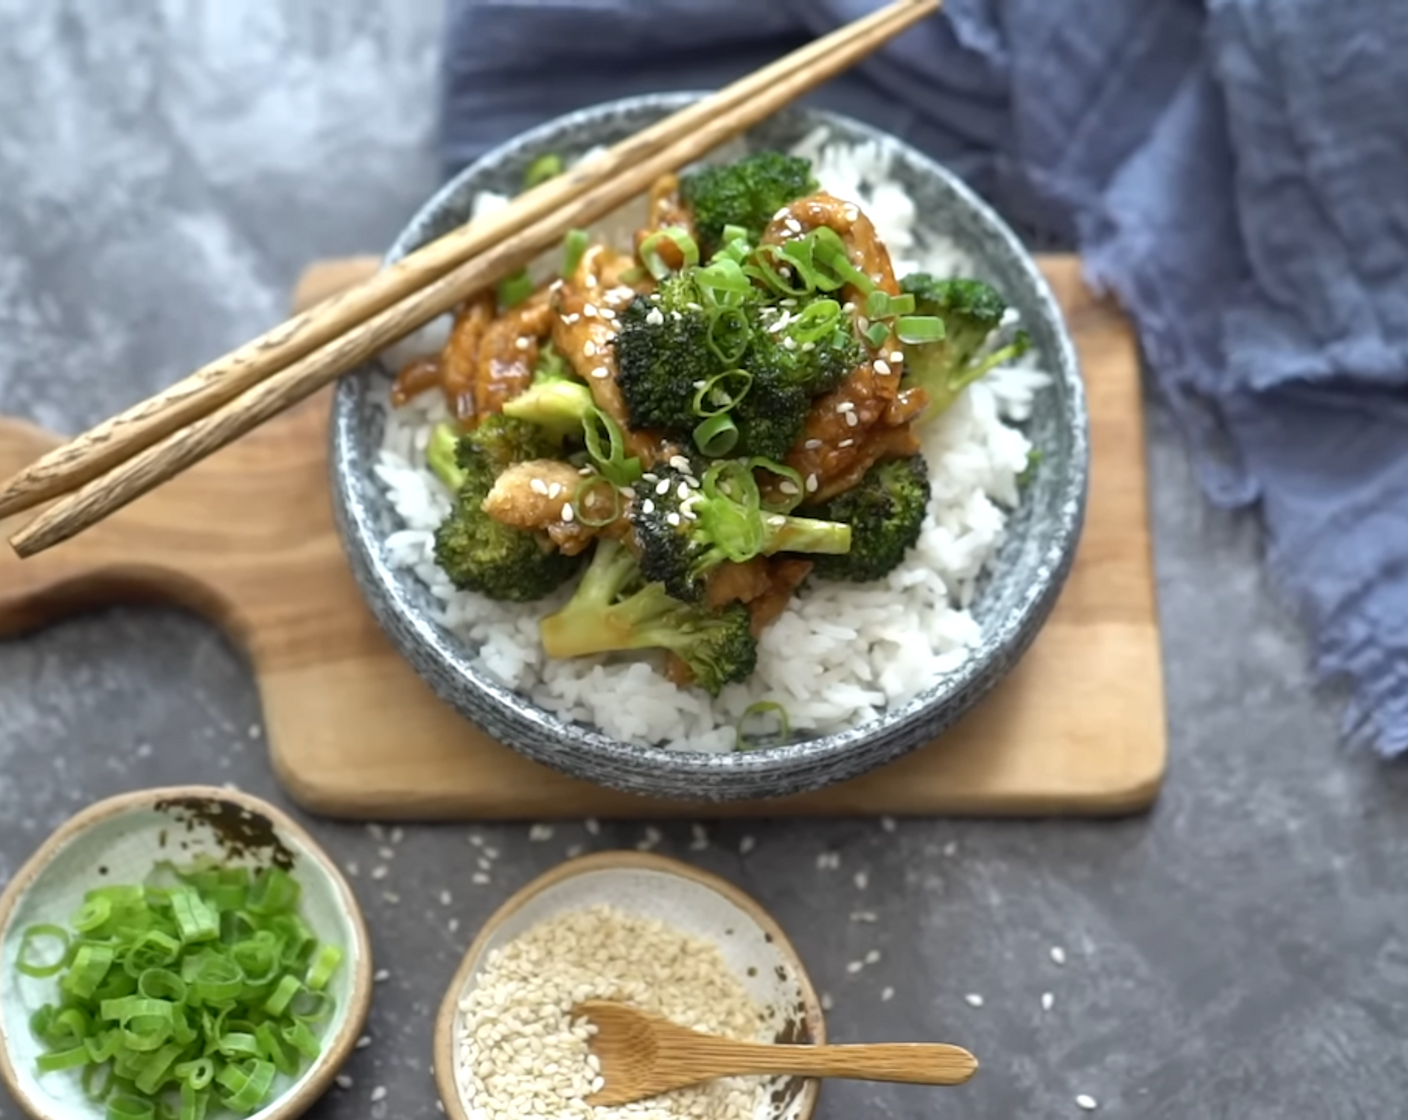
(166, 170)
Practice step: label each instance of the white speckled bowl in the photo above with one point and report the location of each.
(693, 901)
(118, 841)
(1012, 602)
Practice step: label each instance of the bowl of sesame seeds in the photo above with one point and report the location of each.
(631, 927)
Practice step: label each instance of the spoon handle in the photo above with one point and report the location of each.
(914, 1063)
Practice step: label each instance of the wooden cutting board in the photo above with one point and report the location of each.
(246, 539)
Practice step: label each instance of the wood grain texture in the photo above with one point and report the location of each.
(233, 394)
(246, 538)
(643, 1055)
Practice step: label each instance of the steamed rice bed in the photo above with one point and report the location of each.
(841, 652)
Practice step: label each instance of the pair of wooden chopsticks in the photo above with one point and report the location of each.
(104, 469)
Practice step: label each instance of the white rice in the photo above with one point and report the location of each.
(842, 652)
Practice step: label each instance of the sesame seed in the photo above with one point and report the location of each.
(538, 486)
(787, 486)
(647, 506)
(650, 477)
(589, 311)
(592, 825)
(571, 318)
(377, 832)
(808, 347)
(869, 917)
(862, 880)
(851, 213)
(679, 462)
(589, 348)
(693, 306)
(379, 871)
(626, 492)
(601, 372)
(812, 484)
(445, 898)
(789, 343)
(846, 406)
(352, 868)
(672, 518)
(889, 824)
(607, 313)
(700, 384)
(1087, 1102)
(654, 318)
(882, 367)
(379, 1093)
(479, 879)
(812, 444)
(897, 356)
(381, 976)
(973, 999)
(475, 840)
(386, 853)
(663, 486)
(777, 521)
(363, 1042)
(827, 1003)
(854, 967)
(746, 844)
(522, 343)
(491, 853)
(780, 215)
(342, 1081)
(568, 513)
(700, 838)
(540, 832)
(453, 925)
(951, 848)
(683, 491)
(872, 957)
(846, 443)
(591, 281)
(789, 302)
(852, 419)
(1058, 954)
(574, 850)
(1047, 1001)
(554, 490)
(887, 994)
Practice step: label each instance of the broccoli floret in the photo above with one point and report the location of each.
(686, 525)
(615, 609)
(475, 551)
(971, 310)
(747, 193)
(662, 354)
(885, 511)
(442, 457)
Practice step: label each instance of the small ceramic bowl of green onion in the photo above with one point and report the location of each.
(179, 954)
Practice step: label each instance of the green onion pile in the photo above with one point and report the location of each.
(172, 999)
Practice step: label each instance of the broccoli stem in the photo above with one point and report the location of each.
(593, 621)
(943, 391)
(556, 406)
(805, 534)
(440, 457)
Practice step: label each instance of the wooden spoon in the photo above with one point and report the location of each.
(643, 1055)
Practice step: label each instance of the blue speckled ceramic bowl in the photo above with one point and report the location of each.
(1011, 605)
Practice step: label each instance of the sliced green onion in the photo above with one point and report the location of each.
(216, 979)
(125, 1106)
(542, 169)
(93, 915)
(156, 1068)
(723, 283)
(782, 470)
(830, 254)
(197, 1073)
(722, 392)
(877, 334)
(815, 321)
(610, 458)
(63, 1059)
(514, 289)
(25, 961)
(771, 266)
(728, 334)
(882, 305)
(194, 1102)
(919, 329)
(574, 248)
(196, 919)
(1028, 474)
(238, 1044)
(258, 960)
(650, 250)
(90, 965)
(282, 995)
(153, 949)
(735, 526)
(103, 1047)
(302, 1039)
(716, 436)
(275, 891)
(161, 983)
(275, 1049)
(99, 1093)
(633, 276)
(733, 233)
(762, 707)
(310, 1006)
(580, 500)
(248, 1084)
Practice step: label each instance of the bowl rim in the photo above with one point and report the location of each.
(317, 1079)
(443, 1044)
(803, 764)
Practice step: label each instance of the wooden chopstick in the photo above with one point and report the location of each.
(118, 438)
(205, 414)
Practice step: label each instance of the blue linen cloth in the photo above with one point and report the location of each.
(1235, 172)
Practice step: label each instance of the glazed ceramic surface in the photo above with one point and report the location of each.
(1012, 603)
(119, 841)
(692, 901)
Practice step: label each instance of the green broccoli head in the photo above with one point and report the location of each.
(747, 194)
(971, 311)
(689, 519)
(475, 551)
(885, 511)
(615, 608)
(662, 355)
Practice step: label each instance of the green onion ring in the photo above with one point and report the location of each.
(815, 321)
(728, 334)
(579, 502)
(610, 460)
(574, 248)
(542, 169)
(919, 329)
(34, 934)
(716, 436)
(762, 707)
(781, 470)
(650, 250)
(722, 392)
